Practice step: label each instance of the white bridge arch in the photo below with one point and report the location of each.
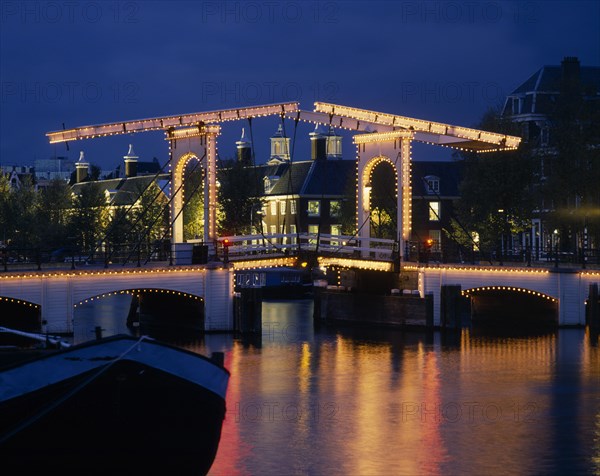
(58, 293)
(569, 288)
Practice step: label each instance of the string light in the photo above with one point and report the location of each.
(470, 292)
(18, 301)
(479, 138)
(167, 122)
(265, 263)
(137, 292)
(355, 263)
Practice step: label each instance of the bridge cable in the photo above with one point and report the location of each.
(113, 225)
(173, 195)
(185, 204)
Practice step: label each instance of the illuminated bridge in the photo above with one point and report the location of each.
(379, 137)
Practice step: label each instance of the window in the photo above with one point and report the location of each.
(434, 211)
(313, 230)
(274, 208)
(336, 230)
(314, 208)
(432, 184)
(335, 208)
(293, 207)
(282, 208)
(273, 229)
(293, 233)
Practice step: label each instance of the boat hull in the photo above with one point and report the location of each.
(124, 418)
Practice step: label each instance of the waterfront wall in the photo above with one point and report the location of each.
(358, 308)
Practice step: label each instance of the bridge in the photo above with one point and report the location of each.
(379, 137)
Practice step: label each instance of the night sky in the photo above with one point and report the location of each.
(93, 62)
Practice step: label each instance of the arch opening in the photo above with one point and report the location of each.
(149, 311)
(187, 186)
(383, 203)
(19, 315)
(379, 213)
(511, 307)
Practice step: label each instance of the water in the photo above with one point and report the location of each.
(355, 401)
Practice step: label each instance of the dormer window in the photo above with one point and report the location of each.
(269, 182)
(432, 184)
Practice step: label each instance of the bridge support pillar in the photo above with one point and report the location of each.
(593, 311)
(393, 148)
(248, 311)
(450, 309)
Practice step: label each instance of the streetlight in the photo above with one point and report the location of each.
(501, 211)
(258, 212)
(555, 233)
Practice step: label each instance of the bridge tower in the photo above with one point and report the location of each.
(186, 144)
(392, 147)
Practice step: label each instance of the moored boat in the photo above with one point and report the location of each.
(118, 405)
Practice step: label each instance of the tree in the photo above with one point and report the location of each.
(239, 196)
(193, 213)
(55, 202)
(22, 208)
(496, 194)
(89, 218)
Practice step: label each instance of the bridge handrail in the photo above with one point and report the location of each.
(275, 243)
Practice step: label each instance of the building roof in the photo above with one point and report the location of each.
(539, 92)
(314, 177)
(123, 191)
(448, 172)
(548, 80)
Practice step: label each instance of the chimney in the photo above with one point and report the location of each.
(81, 169)
(130, 163)
(318, 145)
(570, 77)
(244, 151)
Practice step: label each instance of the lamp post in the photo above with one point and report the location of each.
(555, 233)
(501, 212)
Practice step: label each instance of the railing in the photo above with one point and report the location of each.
(19, 259)
(243, 247)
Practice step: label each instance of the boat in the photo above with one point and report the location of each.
(276, 283)
(116, 405)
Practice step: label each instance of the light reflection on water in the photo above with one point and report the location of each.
(378, 401)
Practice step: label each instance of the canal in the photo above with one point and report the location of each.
(358, 401)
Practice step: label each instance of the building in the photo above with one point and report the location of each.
(54, 168)
(17, 174)
(435, 188)
(318, 196)
(558, 102)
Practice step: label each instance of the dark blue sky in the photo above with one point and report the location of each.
(91, 62)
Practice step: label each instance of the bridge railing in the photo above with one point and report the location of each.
(240, 247)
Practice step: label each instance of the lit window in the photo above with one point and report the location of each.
(434, 211)
(273, 229)
(314, 208)
(282, 208)
(293, 207)
(336, 230)
(293, 233)
(335, 208)
(274, 208)
(313, 230)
